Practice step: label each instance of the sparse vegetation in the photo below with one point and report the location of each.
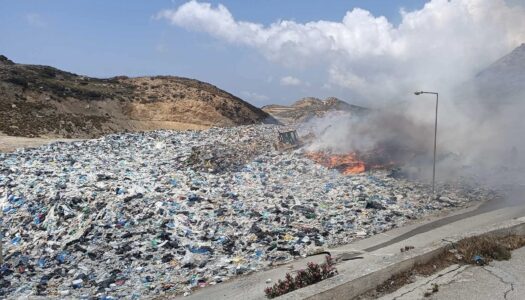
(34, 99)
(467, 251)
(312, 274)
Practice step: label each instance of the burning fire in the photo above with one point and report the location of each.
(344, 163)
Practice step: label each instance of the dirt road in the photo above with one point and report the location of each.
(11, 143)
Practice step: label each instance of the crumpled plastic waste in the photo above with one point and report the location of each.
(133, 215)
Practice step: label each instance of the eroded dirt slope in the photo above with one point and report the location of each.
(44, 101)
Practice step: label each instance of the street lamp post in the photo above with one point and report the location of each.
(435, 137)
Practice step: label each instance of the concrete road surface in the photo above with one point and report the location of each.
(498, 280)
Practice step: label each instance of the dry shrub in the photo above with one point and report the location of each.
(312, 274)
(488, 247)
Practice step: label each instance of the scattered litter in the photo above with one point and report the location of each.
(406, 249)
(479, 260)
(433, 290)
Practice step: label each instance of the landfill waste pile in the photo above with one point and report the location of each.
(135, 215)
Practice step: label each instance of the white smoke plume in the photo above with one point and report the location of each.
(440, 47)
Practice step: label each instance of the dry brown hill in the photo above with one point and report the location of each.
(309, 107)
(44, 101)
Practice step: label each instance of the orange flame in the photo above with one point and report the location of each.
(345, 163)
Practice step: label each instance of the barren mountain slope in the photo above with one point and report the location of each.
(309, 107)
(44, 101)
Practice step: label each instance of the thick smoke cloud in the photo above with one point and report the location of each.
(379, 137)
(440, 47)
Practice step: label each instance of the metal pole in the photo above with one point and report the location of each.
(435, 137)
(435, 146)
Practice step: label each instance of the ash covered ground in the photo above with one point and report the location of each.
(142, 214)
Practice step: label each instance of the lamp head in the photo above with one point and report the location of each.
(418, 93)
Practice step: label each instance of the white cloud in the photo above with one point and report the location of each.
(290, 81)
(441, 44)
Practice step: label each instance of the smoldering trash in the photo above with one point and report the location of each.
(139, 214)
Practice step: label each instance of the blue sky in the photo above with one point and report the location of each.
(122, 37)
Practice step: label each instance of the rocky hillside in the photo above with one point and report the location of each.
(45, 101)
(307, 108)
